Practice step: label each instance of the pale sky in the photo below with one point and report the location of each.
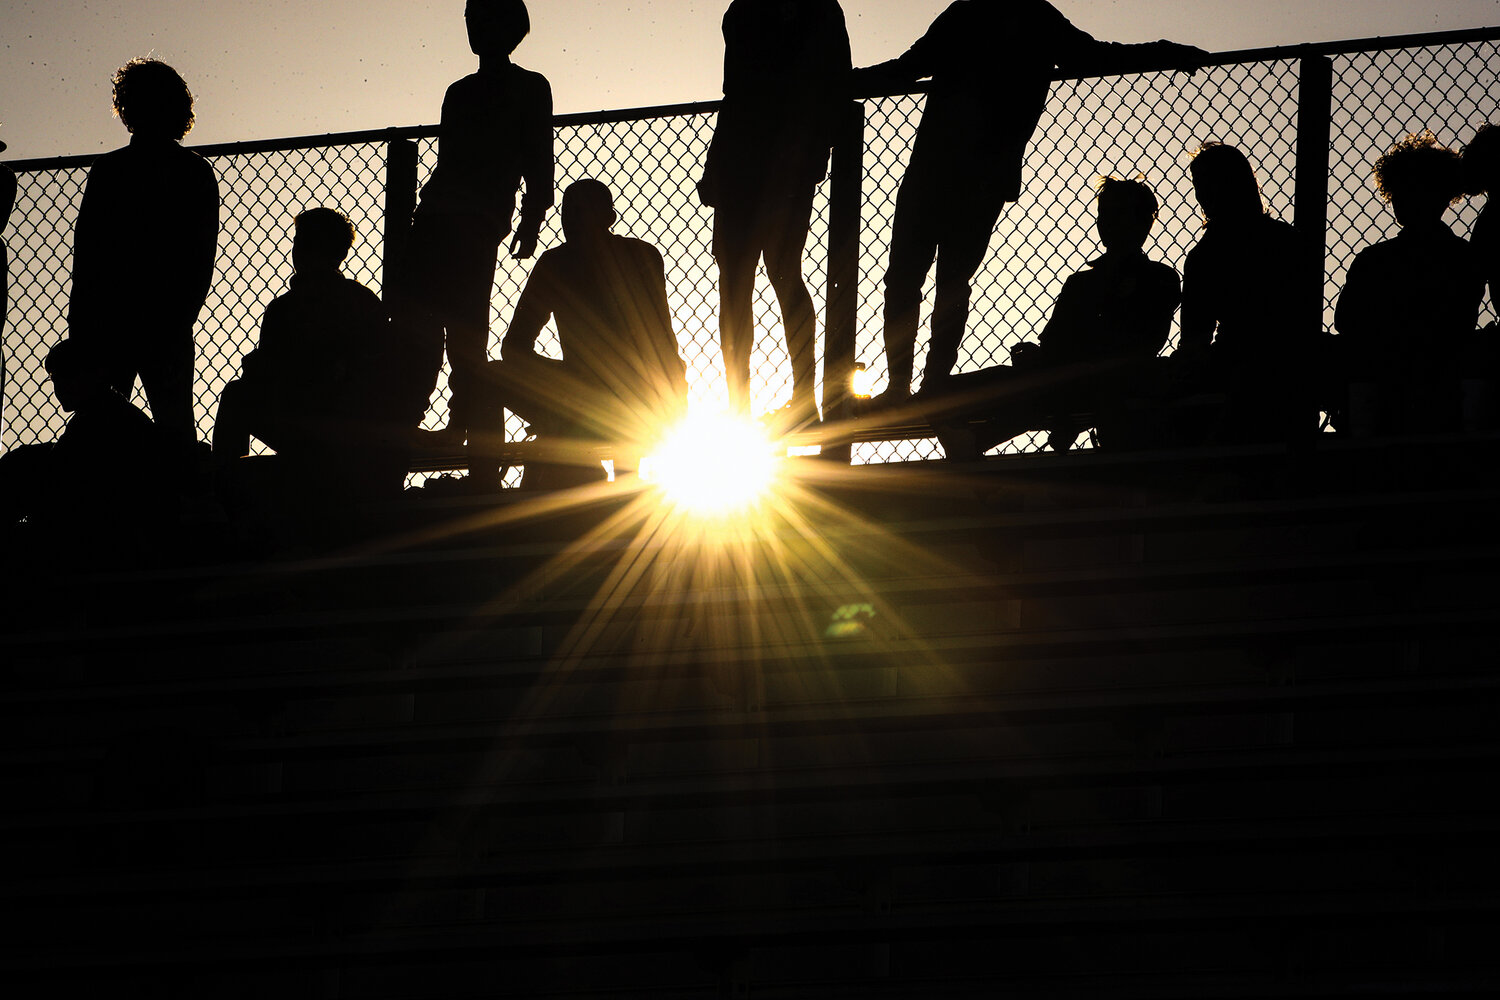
(273, 68)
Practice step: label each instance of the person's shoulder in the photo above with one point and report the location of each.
(530, 80)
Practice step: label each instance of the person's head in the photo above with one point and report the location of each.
(496, 27)
(1419, 178)
(322, 239)
(588, 211)
(1224, 183)
(1127, 210)
(76, 373)
(1482, 161)
(150, 99)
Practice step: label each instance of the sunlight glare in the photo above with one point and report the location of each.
(713, 464)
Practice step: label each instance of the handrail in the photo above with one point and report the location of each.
(1234, 57)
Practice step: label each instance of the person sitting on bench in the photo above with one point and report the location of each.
(1111, 317)
(621, 379)
(301, 391)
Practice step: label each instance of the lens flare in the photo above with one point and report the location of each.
(713, 465)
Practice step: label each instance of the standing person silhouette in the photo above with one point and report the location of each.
(1252, 303)
(786, 69)
(621, 379)
(144, 248)
(991, 63)
(496, 132)
(1408, 306)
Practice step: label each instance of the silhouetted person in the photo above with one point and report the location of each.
(786, 80)
(144, 248)
(1481, 160)
(1407, 311)
(1110, 320)
(7, 202)
(103, 474)
(991, 63)
(305, 388)
(496, 132)
(1252, 302)
(620, 378)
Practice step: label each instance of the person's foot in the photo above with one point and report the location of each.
(891, 399)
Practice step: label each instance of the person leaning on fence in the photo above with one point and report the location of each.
(306, 388)
(1251, 307)
(991, 65)
(102, 479)
(786, 81)
(496, 131)
(144, 248)
(620, 379)
(1111, 320)
(1407, 311)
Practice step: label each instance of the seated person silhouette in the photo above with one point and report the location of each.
(305, 388)
(1407, 311)
(786, 79)
(103, 476)
(144, 248)
(991, 66)
(1252, 303)
(1110, 319)
(496, 131)
(620, 379)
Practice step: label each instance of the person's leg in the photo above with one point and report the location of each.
(736, 252)
(166, 363)
(467, 319)
(965, 242)
(913, 246)
(784, 266)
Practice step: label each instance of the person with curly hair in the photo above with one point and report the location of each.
(144, 248)
(1251, 305)
(1407, 312)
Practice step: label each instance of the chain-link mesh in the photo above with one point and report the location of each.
(1144, 124)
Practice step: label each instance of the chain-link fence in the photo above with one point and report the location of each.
(1143, 124)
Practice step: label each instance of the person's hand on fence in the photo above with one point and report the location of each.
(1188, 59)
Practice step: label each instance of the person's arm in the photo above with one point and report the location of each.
(659, 316)
(917, 62)
(1077, 51)
(1198, 319)
(537, 166)
(1149, 325)
(203, 234)
(533, 309)
(90, 249)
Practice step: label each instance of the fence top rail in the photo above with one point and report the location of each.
(1235, 57)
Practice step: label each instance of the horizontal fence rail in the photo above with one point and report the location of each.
(1277, 105)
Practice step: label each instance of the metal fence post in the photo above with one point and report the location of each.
(1314, 137)
(400, 203)
(841, 323)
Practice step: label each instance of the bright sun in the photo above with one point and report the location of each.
(714, 464)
